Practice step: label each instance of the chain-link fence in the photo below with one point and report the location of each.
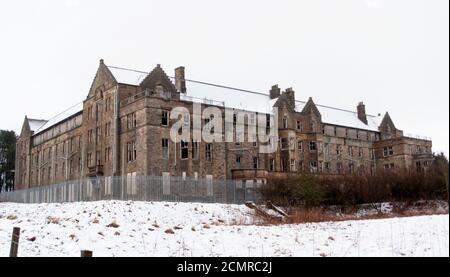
(141, 188)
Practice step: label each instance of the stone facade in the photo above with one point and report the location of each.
(124, 129)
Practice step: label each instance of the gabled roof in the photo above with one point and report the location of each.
(340, 117)
(127, 77)
(158, 77)
(311, 107)
(387, 122)
(35, 124)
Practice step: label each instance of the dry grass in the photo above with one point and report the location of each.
(298, 215)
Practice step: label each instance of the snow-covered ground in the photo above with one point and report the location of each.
(194, 229)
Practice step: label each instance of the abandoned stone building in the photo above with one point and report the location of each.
(122, 128)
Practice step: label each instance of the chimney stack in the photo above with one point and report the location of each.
(362, 112)
(290, 94)
(275, 92)
(180, 82)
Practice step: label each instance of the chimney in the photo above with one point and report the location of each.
(290, 94)
(362, 112)
(180, 82)
(275, 92)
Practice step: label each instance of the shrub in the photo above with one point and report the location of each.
(316, 190)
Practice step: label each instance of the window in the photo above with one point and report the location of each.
(184, 145)
(357, 134)
(285, 122)
(107, 103)
(97, 112)
(419, 165)
(165, 149)
(388, 151)
(195, 153)
(131, 151)
(312, 146)
(313, 166)
(165, 118)
(372, 154)
(90, 138)
(335, 131)
(389, 166)
(208, 151)
(326, 147)
(234, 119)
(327, 167)
(301, 166)
(99, 135)
(255, 140)
(271, 165)
(339, 168)
(292, 165)
(186, 119)
(299, 125)
(253, 119)
(255, 162)
(131, 121)
(108, 129)
(98, 156)
(284, 164)
(350, 151)
(284, 144)
(268, 123)
(71, 144)
(312, 127)
(108, 154)
(90, 162)
(418, 149)
(338, 150)
(89, 113)
(300, 145)
(360, 152)
(351, 168)
(238, 159)
(346, 133)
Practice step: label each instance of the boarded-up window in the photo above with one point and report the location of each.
(166, 183)
(131, 183)
(89, 188)
(108, 186)
(209, 185)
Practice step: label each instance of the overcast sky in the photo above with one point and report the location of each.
(393, 55)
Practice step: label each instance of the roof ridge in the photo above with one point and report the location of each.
(334, 108)
(226, 87)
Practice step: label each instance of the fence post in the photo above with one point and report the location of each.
(86, 254)
(14, 242)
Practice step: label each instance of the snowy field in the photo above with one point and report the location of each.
(115, 228)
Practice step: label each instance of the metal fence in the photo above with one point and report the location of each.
(140, 188)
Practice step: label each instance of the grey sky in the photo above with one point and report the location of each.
(393, 55)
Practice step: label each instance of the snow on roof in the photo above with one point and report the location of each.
(35, 124)
(60, 117)
(342, 117)
(233, 99)
(261, 103)
(127, 77)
